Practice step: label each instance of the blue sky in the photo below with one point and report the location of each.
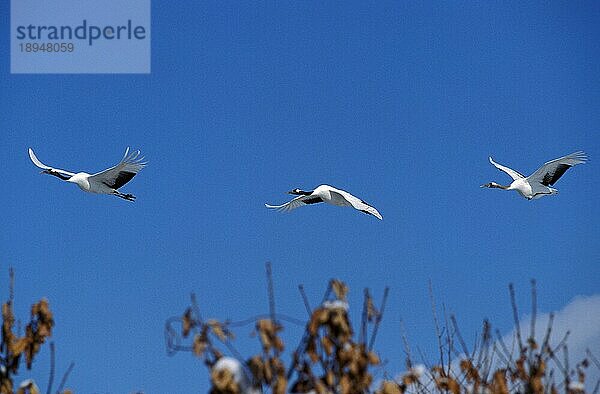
(399, 103)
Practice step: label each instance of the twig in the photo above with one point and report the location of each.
(63, 381)
(437, 326)
(597, 387)
(423, 360)
(459, 336)
(302, 345)
(503, 358)
(484, 342)
(548, 331)
(449, 339)
(195, 307)
(557, 362)
(406, 345)
(379, 317)
(488, 368)
(562, 342)
(254, 319)
(428, 367)
(486, 338)
(52, 368)
(364, 320)
(566, 371)
(593, 358)
(475, 344)
(270, 290)
(305, 299)
(172, 338)
(533, 310)
(513, 303)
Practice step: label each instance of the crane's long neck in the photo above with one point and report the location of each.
(495, 185)
(59, 175)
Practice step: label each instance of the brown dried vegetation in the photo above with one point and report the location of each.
(15, 348)
(332, 358)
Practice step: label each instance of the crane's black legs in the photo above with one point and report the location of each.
(128, 197)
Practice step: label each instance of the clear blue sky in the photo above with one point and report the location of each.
(399, 103)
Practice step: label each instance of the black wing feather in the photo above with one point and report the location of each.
(551, 177)
(121, 179)
(312, 200)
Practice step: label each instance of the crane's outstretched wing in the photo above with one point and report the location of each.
(551, 171)
(115, 177)
(41, 165)
(512, 173)
(299, 201)
(357, 203)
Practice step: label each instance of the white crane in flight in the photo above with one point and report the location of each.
(538, 184)
(328, 194)
(104, 182)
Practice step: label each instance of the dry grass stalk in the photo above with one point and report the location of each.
(15, 349)
(330, 359)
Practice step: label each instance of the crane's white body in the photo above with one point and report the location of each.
(81, 179)
(530, 191)
(538, 184)
(329, 195)
(104, 182)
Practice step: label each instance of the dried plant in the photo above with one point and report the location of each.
(329, 358)
(535, 367)
(332, 357)
(15, 348)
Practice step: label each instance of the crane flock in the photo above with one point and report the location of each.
(109, 181)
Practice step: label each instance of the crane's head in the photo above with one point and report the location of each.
(299, 192)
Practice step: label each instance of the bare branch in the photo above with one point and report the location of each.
(63, 381)
(437, 326)
(593, 358)
(597, 387)
(305, 299)
(270, 290)
(406, 345)
(459, 336)
(254, 319)
(195, 307)
(566, 370)
(513, 303)
(379, 317)
(546, 341)
(363, 322)
(533, 309)
(449, 339)
(52, 368)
